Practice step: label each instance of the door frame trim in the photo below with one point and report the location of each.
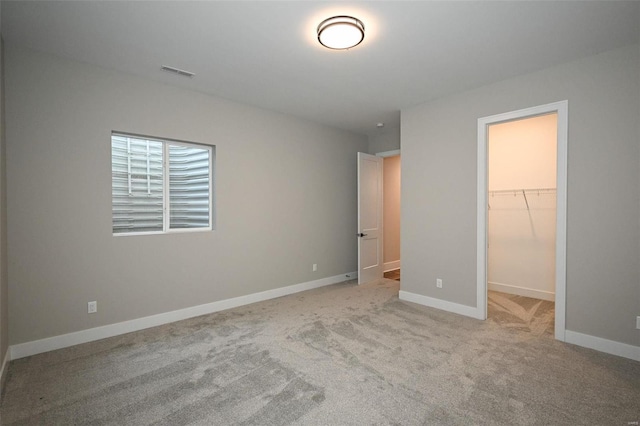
(561, 108)
(386, 154)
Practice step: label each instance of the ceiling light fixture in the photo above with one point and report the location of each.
(340, 32)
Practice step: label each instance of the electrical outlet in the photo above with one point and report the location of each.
(438, 282)
(638, 322)
(92, 307)
(314, 268)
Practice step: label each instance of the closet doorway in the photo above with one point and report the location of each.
(391, 213)
(522, 219)
(521, 226)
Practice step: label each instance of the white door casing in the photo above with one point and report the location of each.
(370, 260)
(561, 108)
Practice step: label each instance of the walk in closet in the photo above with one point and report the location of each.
(522, 207)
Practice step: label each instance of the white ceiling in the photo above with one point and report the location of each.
(265, 53)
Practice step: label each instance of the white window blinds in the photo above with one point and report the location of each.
(159, 186)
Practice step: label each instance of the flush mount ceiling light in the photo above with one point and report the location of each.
(340, 32)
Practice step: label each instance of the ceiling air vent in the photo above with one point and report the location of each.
(177, 71)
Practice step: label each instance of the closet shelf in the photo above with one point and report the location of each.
(524, 192)
(520, 191)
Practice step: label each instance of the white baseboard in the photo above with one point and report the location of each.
(58, 342)
(351, 276)
(603, 345)
(444, 305)
(22, 350)
(522, 291)
(599, 344)
(391, 266)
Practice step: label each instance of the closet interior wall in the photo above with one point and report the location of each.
(522, 207)
(391, 213)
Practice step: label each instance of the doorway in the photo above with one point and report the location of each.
(391, 216)
(521, 212)
(378, 216)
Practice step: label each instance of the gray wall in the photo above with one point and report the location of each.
(439, 164)
(285, 195)
(385, 139)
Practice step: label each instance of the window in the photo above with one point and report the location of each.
(160, 186)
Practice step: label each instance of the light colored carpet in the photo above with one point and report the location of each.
(521, 313)
(338, 355)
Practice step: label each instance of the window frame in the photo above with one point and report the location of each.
(166, 219)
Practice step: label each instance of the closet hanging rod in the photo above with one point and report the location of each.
(522, 191)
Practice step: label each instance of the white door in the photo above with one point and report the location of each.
(370, 260)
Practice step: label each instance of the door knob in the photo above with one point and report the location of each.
(361, 235)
